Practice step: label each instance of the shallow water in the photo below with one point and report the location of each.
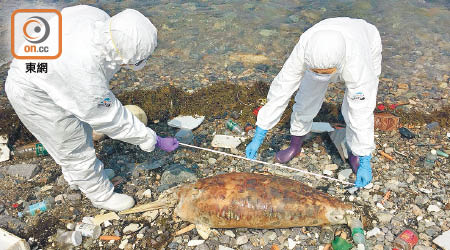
(200, 42)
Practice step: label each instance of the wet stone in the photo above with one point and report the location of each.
(177, 173)
(26, 171)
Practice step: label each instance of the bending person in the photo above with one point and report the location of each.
(336, 47)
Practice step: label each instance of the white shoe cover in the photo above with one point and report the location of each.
(117, 202)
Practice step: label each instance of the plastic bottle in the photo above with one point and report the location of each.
(30, 150)
(430, 159)
(406, 240)
(88, 230)
(185, 136)
(73, 238)
(357, 232)
(36, 208)
(231, 125)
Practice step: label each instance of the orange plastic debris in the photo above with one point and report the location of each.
(386, 155)
(386, 197)
(109, 237)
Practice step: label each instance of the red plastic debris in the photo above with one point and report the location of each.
(15, 205)
(380, 107)
(256, 110)
(393, 106)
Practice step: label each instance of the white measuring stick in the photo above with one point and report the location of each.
(266, 163)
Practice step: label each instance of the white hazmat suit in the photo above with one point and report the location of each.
(353, 47)
(63, 106)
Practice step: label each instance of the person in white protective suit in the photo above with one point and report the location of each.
(336, 47)
(62, 107)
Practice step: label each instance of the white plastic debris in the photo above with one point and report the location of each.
(186, 122)
(226, 141)
(443, 240)
(4, 150)
(321, 127)
(9, 241)
(193, 243)
(292, 243)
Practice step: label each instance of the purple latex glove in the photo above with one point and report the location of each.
(167, 144)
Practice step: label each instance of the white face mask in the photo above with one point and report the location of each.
(321, 77)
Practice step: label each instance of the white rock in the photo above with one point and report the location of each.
(327, 172)
(241, 240)
(147, 193)
(151, 215)
(380, 206)
(123, 243)
(224, 248)
(351, 198)
(426, 191)
(229, 233)
(344, 174)
(193, 243)
(331, 167)
(106, 223)
(374, 232)
(4, 152)
(133, 227)
(433, 208)
(139, 236)
(212, 161)
(88, 220)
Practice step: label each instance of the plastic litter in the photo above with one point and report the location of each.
(30, 150)
(233, 126)
(357, 232)
(185, 136)
(386, 121)
(36, 208)
(186, 122)
(440, 153)
(9, 241)
(340, 244)
(88, 230)
(100, 218)
(430, 159)
(73, 238)
(406, 133)
(406, 240)
(226, 141)
(4, 150)
(321, 127)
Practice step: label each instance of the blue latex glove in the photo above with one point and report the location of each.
(252, 147)
(364, 175)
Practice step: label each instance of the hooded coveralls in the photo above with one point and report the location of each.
(62, 107)
(353, 46)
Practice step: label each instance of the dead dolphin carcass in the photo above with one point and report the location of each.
(249, 200)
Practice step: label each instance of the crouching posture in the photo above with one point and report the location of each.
(337, 47)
